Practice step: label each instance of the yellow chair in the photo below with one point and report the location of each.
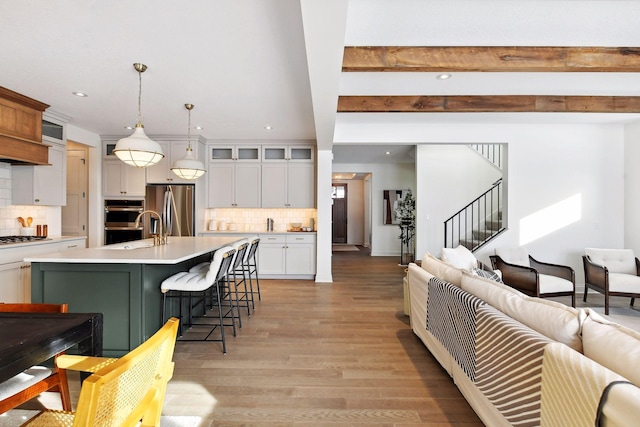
(128, 391)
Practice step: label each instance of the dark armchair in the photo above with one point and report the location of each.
(532, 277)
(612, 272)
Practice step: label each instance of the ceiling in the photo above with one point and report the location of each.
(250, 64)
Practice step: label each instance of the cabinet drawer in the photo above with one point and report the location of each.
(301, 238)
(272, 238)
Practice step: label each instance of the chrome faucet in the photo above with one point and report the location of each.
(158, 239)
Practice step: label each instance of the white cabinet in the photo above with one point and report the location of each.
(289, 254)
(288, 185)
(293, 153)
(42, 185)
(233, 176)
(234, 185)
(161, 173)
(122, 180)
(239, 153)
(301, 254)
(15, 282)
(15, 274)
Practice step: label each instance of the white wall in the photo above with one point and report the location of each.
(632, 187)
(449, 177)
(384, 238)
(548, 165)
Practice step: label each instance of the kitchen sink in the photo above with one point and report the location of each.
(129, 245)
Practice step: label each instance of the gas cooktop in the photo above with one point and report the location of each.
(6, 240)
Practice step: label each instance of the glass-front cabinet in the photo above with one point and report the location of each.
(293, 153)
(234, 153)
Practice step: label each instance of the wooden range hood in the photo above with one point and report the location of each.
(21, 129)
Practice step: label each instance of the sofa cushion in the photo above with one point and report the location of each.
(600, 337)
(616, 260)
(517, 256)
(572, 388)
(460, 257)
(552, 319)
(441, 269)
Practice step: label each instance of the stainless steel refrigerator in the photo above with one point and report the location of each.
(175, 204)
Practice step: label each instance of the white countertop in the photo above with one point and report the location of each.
(47, 241)
(256, 232)
(139, 252)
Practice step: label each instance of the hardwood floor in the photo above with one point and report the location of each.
(338, 354)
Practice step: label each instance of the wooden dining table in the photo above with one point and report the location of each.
(28, 339)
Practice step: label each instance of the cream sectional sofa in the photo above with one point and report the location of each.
(521, 360)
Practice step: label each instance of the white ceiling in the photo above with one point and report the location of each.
(248, 64)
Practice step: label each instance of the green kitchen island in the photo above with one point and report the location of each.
(122, 281)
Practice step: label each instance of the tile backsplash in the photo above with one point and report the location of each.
(256, 219)
(9, 225)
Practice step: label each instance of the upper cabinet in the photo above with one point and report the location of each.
(42, 185)
(293, 153)
(267, 176)
(228, 153)
(161, 173)
(121, 180)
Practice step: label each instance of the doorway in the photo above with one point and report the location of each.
(339, 213)
(75, 213)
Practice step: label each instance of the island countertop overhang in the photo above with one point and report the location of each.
(178, 249)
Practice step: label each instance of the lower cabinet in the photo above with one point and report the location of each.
(287, 255)
(15, 274)
(15, 282)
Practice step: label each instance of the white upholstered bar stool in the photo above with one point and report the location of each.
(250, 266)
(193, 286)
(244, 298)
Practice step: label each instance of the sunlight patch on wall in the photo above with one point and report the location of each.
(550, 219)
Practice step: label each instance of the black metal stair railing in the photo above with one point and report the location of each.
(478, 222)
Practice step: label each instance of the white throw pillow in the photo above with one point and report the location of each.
(460, 257)
(612, 345)
(552, 319)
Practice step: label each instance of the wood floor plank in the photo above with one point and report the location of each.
(339, 354)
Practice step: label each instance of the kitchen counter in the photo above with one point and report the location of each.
(52, 241)
(253, 233)
(178, 249)
(122, 281)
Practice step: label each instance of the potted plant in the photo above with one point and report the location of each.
(406, 214)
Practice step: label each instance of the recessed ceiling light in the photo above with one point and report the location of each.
(128, 127)
(268, 127)
(199, 127)
(387, 152)
(80, 94)
(443, 76)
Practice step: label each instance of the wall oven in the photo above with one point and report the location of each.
(119, 221)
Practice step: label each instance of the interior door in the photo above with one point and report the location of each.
(74, 214)
(339, 213)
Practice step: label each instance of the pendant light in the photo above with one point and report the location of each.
(188, 167)
(138, 149)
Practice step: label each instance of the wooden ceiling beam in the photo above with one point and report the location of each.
(491, 103)
(491, 59)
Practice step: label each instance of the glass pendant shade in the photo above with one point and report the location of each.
(188, 167)
(138, 150)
